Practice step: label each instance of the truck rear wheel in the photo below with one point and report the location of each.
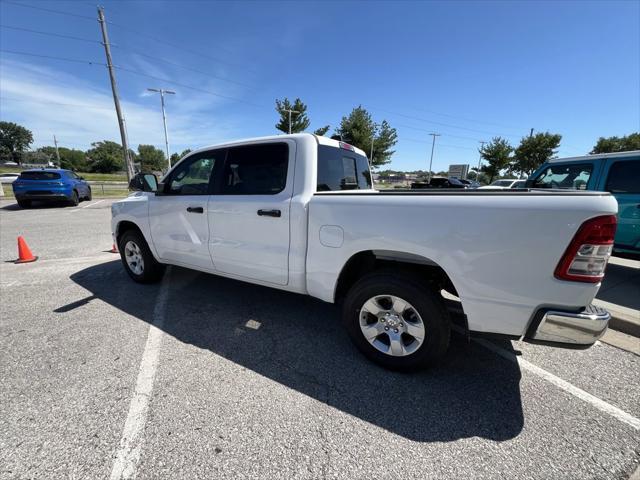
(396, 321)
(137, 259)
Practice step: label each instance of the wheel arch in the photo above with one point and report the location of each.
(367, 261)
(125, 226)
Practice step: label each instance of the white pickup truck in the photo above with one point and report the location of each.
(298, 213)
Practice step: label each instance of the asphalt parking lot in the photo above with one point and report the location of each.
(206, 377)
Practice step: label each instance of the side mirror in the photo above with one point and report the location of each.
(160, 189)
(144, 182)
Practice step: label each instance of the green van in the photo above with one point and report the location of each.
(618, 173)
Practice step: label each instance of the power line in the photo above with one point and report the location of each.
(75, 60)
(440, 144)
(444, 134)
(137, 52)
(50, 10)
(461, 118)
(190, 87)
(441, 123)
(137, 72)
(179, 47)
(51, 34)
(168, 62)
(2, 97)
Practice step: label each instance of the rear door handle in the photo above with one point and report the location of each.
(269, 213)
(195, 209)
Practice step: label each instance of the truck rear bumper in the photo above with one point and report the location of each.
(573, 329)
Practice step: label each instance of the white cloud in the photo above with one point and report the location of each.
(49, 102)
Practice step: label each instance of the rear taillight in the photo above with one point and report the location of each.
(588, 253)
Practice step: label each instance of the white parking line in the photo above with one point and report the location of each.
(601, 405)
(94, 203)
(132, 440)
(77, 209)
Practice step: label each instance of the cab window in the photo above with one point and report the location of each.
(569, 176)
(256, 169)
(194, 174)
(340, 169)
(624, 177)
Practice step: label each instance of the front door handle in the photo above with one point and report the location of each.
(269, 213)
(195, 209)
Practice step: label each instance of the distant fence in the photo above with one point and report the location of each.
(104, 188)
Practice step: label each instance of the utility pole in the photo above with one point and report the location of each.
(433, 146)
(55, 142)
(162, 93)
(114, 89)
(531, 133)
(479, 162)
(290, 112)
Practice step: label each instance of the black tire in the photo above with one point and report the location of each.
(89, 195)
(152, 270)
(424, 301)
(75, 199)
(24, 203)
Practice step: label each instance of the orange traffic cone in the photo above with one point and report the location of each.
(114, 249)
(24, 253)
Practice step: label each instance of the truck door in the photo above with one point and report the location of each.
(623, 181)
(249, 212)
(178, 218)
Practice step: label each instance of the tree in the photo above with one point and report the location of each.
(105, 157)
(617, 144)
(322, 130)
(359, 130)
(535, 150)
(151, 158)
(14, 140)
(175, 157)
(70, 158)
(497, 154)
(299, 120)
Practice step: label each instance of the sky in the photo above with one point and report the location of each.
(469, 71)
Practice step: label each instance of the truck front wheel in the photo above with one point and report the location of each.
(137, 259)
(396, 321)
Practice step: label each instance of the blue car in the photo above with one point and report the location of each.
(618, 173)
(50, 185)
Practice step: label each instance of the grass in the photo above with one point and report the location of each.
(95, 177)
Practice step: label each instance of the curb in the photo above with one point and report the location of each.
(625, 320)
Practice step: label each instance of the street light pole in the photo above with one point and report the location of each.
(162, 93)
(373, 137)
(433, 146)
(290, 112)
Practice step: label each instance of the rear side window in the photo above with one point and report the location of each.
(569, 176)
(340, 169)
(40, 176)
(624, 177)
(256, 169)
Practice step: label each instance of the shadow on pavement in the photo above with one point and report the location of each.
(299, 342)
(35, 205)
(620, 286)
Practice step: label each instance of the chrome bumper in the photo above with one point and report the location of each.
(582, 328)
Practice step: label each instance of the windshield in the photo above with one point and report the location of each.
(340, 169)
(39, 175)
(573, 176)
